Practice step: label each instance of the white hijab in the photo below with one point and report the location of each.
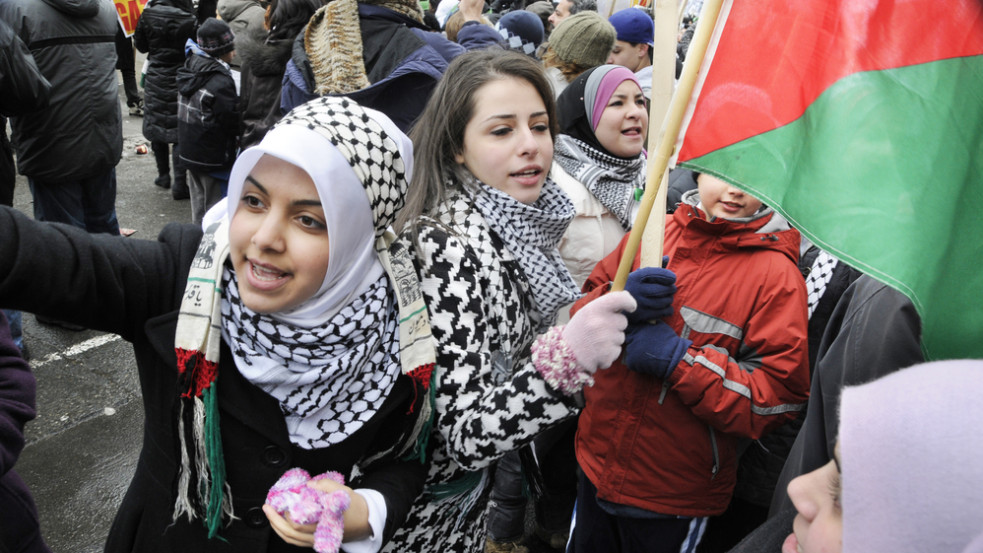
(911, 445)
(337, 380)
(352, 261)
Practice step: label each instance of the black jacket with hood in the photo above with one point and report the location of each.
(208, 119)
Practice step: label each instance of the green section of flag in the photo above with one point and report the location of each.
(885, 171)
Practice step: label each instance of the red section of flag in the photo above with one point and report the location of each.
(774, 58)
(129, 13)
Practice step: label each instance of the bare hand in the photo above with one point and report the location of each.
(471, 9)
(301, 535)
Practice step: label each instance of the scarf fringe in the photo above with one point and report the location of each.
(423, 377)
(201, 445)
(182, 504)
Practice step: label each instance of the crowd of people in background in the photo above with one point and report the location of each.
(405, 220)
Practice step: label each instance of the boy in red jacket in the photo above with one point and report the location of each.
(715, 352)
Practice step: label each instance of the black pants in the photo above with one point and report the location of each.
(125, 60)
(597, 530)
(161, 151)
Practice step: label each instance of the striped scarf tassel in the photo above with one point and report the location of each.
(202, 460)
(423, 379)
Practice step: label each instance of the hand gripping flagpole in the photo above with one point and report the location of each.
(670, 131)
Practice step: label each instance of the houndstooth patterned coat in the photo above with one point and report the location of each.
(490, 399)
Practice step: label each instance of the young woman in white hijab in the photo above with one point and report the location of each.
(270, 341)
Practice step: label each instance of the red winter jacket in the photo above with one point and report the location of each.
(670, 446)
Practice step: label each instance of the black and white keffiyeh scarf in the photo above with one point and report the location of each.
(330, 379)
(820, 274)
(531, 234)
(616, 182)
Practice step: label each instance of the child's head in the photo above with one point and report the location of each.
(605, 107)
(492, 115)
(455, 22)
(906, 456)
(721, 199)
(818, 528)
(307, 204)
(521, 31)
(216, 39)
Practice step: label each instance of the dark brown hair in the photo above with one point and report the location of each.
(438, 135)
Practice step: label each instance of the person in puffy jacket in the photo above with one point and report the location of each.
(164, 28)
(19, 527)
(378, 53)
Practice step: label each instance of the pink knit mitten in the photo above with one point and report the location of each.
(596, 333)
(307, 505)
(567, 356)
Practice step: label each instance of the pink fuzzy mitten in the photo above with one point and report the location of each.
(307, 505)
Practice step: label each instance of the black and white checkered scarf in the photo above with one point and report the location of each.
(330, 379)
(612, 180)
(531, 234)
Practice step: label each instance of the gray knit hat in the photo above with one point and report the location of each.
(584, 39)
(215, 37)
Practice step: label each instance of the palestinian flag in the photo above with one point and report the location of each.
(862, 123)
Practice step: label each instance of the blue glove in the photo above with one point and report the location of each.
(654, 349)
(653, 288)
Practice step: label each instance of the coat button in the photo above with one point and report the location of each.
(256, 518)
(273, 456)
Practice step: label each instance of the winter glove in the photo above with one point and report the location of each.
(653, 288)
(567, 356)
(654, 348)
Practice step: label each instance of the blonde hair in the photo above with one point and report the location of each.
(455, 22)
(569, 69)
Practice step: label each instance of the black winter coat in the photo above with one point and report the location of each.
(164, 28)
(133, 288)
(208, 118)
(263, 60)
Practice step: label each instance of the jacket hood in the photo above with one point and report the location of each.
(766, 229)
(231, 9)
(76, 8)
(184, 5)
(195, 73)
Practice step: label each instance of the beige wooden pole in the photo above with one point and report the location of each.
(663, 82)
(671, 125)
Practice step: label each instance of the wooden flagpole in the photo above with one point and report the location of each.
(670, 131)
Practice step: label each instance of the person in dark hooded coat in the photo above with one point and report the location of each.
(162, 31)
(208, 116)
(264, 39)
